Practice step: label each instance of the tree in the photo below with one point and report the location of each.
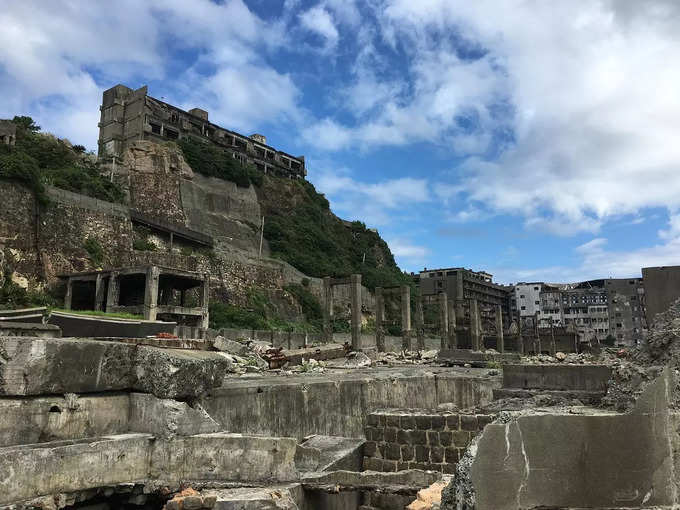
(26, 123)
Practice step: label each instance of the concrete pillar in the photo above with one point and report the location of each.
(453, 336)
(151, 293)
(327, 309)
(379, 319)
(205, 301)
(406, 318)
(443, 320)
(520, 335)
(113, 294)
(553, 348)
(68, 298)
(500, 339)
(537, 345)
(99, 289)
(420, 323)
(475, 333)
(355, 293)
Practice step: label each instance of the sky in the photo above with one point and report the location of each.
(538, 141)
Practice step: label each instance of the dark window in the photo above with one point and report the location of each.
(172, 134)
(536, 302)
(524, 308)
(155, 128)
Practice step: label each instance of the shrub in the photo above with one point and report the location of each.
(94, 250)
(143, 245)
(208, 159)
(308, 301)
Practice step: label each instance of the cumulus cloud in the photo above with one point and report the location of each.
(64, 54)
(319, 21)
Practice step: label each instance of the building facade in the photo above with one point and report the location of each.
(525, 298)
(129, 115)
(8, 132)
(662, 288)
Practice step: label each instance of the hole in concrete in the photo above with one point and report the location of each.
(260, 390)
(55, 409)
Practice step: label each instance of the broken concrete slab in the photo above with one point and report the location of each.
(277, 497)
(562, 460)
(343, 480)
(165, 418)
(38, 366)
(474, 358)
(231, 346)
(29, 328)
(557, 377)
(329, 453)
(178, 373)
(320, 353)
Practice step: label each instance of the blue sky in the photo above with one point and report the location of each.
(535, 140)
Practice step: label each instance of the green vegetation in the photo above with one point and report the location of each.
(309, 237)
(39, 159)
(143, 245)
(14, 296)
(259, 314)
(94, 250)
(208, 159)
(98, 313)
(308, 301)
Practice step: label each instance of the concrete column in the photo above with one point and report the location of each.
(327, 309)
(406, 318)
(99, 293)
(553, 348)
(68, 298)
(355, 293)
(379, 319)
(453, 335)
(443, 320)
(537, 344)
(205, 301)
(151, 293)
(475, 333)
(500, 340)
(113, 294)
(520, 338)
(420, 323)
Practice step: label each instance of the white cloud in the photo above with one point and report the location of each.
(319, 21)
(405, 249)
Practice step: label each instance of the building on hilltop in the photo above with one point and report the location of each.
(8, 132)
(129, 115)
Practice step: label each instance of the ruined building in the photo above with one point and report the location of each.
(129, 115)
(8, 132)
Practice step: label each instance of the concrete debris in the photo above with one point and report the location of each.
(231, 346)
(356, 359)
(430, 498)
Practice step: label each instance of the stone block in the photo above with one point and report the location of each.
(438, 422)
(402, 466)
(418, 437)
(423, 422)
(449, 469)
(408, 422)
(437, 454)
(391, 435)
(370, 448)
(209, 500)
(445, 438)
(393, 451)
(461, 438)
(468, 422)
(392, 420)
(192, 503)
(407, 452)
(433, 438)
(372, 420)
(451, 455)
(422, 453)
(403, 437)
(166, 418)
(389, 466)
(453, 422)
(378, 434)
(483, 420)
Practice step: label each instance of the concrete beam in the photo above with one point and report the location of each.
(151, 293)
(475, 328)
(452, 342)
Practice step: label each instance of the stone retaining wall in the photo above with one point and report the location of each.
(412, 439)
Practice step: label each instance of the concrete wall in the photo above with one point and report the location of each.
(557, 377)
(337, 405)
(662, 287)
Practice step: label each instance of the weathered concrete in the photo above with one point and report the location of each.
(277, 497)
(53, 418)
(34, 329)
(75, 325)
(329, 453)
(594, 460)
(166, 418)
(39, 366)
(355, 298)
(474, 358)
(556, 377)
(337, 404)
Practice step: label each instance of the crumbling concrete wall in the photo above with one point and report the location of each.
(562, 460)
(338, 405)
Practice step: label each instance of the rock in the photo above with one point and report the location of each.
(357, 359)
(231, 346)
(428, 497)
(560, 356)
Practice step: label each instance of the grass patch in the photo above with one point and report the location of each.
(98, 313)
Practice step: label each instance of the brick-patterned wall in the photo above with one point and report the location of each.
(414, 439)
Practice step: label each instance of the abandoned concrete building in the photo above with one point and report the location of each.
(661, 287)
(153, 292)
(8, 132)
(129, 115)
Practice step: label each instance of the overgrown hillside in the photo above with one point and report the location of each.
(40, 159)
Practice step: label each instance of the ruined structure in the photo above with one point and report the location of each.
(8, 132)
(131, 115)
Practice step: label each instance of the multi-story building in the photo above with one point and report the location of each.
(129, 115)
(551, 306)
(627, 309)
(462, 285)
(525, 298)
(587, 309)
